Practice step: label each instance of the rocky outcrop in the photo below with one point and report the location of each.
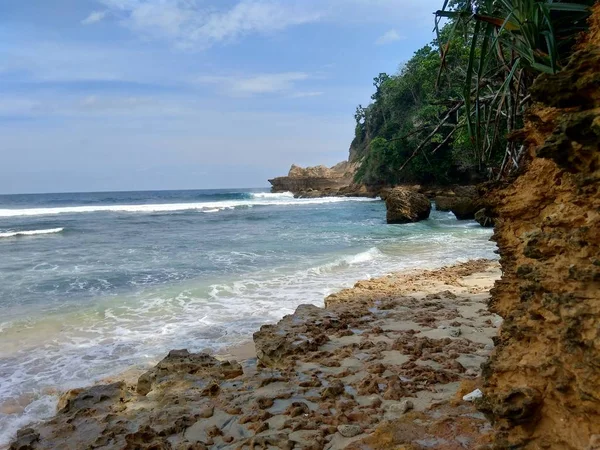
(463, 201)
(542, 385)
(180, 363)
(405, 206)
(383, 351)
(319, 179)
(293, 335)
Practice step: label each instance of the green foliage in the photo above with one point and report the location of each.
(444, 117)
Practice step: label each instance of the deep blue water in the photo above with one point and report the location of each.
(93, 283)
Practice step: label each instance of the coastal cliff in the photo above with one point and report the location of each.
(542, 384)
(320, 181)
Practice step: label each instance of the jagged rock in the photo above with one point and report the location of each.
(295, 334)
(179, 363)
(26, 438)
(541, 384)
(305, 181)
(405, 205)
(77, 399)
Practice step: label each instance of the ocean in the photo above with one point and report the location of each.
(92, 284)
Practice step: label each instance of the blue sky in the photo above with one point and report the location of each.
(183, 94)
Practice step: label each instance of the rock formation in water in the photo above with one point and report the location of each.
(406, 205)
(542, 385)
(320, 181)
(463, 201)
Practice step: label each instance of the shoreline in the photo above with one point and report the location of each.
(297, 365)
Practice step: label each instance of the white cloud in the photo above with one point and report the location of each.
(189, 25)
(306, 94)
(95, 16)
(194, 24)
(388, 37)
(272, 83)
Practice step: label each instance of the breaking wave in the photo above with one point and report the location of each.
(285, 199)
(30, 232)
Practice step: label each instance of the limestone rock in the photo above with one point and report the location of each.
(294, 334)
(541, 384)
(405, 206)
(179, 363)
(93, 397)
(26, 438)
(349, 430)
(316, 181)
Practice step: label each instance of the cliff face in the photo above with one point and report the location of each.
(319, 179)
(542, 383)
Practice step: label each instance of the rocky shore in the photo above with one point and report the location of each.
(383, 365)
(409, 203)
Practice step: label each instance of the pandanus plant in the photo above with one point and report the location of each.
(511, 42)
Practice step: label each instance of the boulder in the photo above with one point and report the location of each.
(405, 206)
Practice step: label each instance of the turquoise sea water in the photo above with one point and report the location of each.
(91, 284)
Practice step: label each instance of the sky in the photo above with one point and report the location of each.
(100, 95)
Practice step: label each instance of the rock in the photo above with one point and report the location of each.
(402, 407)
(405, 206)
(594, 443)
(483, 218)
(464, 208)
(26, 438)
(264, 402)
(516, 406)
(349, 430)
(279, 440)
(542, 381)
(93, 397)
(304, 181)
(179, 363)
(334, 390)
(207, 412)
(297, 333)
(473, 395)
(455, 332)
(405, 406)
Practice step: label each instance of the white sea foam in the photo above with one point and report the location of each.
(272, 195)
(72, 348)
(277, 200)
(30, 232)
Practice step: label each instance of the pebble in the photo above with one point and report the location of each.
(403, 407)
(455, 332)
(349, 430)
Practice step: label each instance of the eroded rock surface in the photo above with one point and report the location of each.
(406, 205)
(326, 378)
(321, 181)
(463, 201)
(542, 385)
